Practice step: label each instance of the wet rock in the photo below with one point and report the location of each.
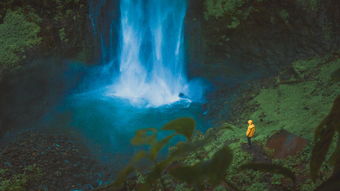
(284, 144)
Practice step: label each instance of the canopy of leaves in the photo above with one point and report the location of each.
(17, 34)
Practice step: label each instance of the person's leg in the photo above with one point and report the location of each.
(249, 141)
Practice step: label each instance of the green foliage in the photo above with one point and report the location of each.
(284, 15)
(302, 67)
(271, 168)
(211, 171)
(309, 4)
(189, 159)
(235, 12)
(63, 26)
(17, 34)
(159, 145)
(148, 136)
(217, 8)
(182, 126)
(62, 35)
(235, 22)
(18, 182)
(232, 10)
(323, 137)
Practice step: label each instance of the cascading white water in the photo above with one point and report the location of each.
(151, 52)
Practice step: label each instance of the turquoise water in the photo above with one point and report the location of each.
(106, 123)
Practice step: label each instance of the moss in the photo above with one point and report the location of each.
(63, 28)
(284, 15)
(217, 8)
(234, 23)
(311, 5)
(276, 179)
(297, 107)
(220, 188)
(303, 66)
(335, 76)
(328, 72)
(62, 35)
(20, 181)
(229, 9)
(308, 185)
(182, 187)
(257, 186)
(17, 34)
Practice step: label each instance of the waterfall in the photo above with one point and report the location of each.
(149, 56)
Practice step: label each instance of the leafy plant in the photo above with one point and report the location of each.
(17, 34)
(182, 126)
(323, 137)
(211, 171)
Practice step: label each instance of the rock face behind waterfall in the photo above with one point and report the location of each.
(225, 43)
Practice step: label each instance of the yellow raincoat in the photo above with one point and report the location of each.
(251, 129)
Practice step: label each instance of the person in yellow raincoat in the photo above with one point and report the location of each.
(250, 131)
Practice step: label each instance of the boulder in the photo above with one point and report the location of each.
(284, 144)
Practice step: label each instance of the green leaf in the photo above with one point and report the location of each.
(335, 158)
(155, 148)
(139, 156)
(182, 126)
(271, 168)
(159, 168)
(323, 137)
(331, 184)
(212, 170)
(323, 141)
(190, 175)
(122, 176)
(146, 136)
(154, 175)
(334, 115)
(144, 187)
(183, 148)
(218, 165)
